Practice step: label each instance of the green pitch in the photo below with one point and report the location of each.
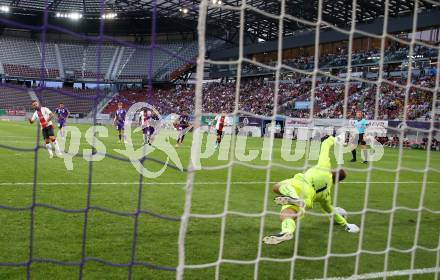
(58, 235)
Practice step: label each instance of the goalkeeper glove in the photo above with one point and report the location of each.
(340, 139)
(352, 228)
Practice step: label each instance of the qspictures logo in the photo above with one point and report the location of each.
(163, 134)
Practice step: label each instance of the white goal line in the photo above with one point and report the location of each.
(196, 183)
(376, 275)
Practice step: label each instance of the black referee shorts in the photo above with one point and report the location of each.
(48, 131)
(361, 140)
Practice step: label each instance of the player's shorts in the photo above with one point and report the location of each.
(361, 140)
(148, 130)
(61, 123)
(219, 133)
(120, 126)
(301, 192)
(48, 132)
(151, 130)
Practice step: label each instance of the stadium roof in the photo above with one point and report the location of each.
(220, 18)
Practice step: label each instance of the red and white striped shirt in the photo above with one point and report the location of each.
(221, 122)
(42, 114)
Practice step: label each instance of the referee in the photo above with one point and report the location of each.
(361, 124)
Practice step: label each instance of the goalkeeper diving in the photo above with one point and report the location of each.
(301, 191)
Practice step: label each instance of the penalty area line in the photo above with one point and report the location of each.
(393, 273)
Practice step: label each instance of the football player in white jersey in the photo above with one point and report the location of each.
(45, 116)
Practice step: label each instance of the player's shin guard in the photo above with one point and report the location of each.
(353, 153)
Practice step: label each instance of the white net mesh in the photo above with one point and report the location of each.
(393, 173)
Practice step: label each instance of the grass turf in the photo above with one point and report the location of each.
(58, 235)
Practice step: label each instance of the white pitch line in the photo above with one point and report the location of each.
(195, 183)
(376, 275)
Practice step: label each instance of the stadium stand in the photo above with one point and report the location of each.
(23, 58)
(72, 56)
(256, 96)
(137, 64)
(97, 60)
(77, 100)
(393, 56)
(14, 98)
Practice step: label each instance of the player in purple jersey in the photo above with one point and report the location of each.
(62, 113)
(119, 121)
(183, 126)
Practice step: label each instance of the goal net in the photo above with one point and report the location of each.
(317, 92)
(304, 77)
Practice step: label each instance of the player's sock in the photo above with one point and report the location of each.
(365, 153)
(120, 137)
(353, 153)
(57, 147)
(49, 149)
(288, 226)
(287, 229)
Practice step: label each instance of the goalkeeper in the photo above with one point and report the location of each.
(299, 193)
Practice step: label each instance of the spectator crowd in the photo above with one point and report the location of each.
(257, 96)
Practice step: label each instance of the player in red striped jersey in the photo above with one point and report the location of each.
(219, 126)
(45, 116)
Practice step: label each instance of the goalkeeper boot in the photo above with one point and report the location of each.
(288, 200)
(277, 238)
